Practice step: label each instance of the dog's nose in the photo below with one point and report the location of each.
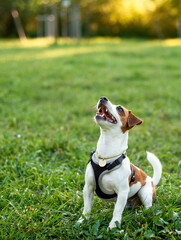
(103, 99)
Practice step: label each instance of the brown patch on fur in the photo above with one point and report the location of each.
(133, 120)
(128, 119)
(124, 119)
(140, 176)
(134, 201)
(154, 191)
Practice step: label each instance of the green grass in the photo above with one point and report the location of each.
(47, 103)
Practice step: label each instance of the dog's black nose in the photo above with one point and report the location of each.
(103, 99)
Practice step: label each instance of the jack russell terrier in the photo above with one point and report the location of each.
(109, 171)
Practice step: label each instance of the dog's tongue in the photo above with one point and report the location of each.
(99, 113)
(103, 115)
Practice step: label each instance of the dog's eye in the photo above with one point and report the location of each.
(119, 108)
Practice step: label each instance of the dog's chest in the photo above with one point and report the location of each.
(117, 179)
(108, 182)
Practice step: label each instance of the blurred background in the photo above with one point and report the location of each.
(48, 94)
(87, 18)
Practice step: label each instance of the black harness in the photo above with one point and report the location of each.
(108, 167)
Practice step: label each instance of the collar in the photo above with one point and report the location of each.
(108, 166)
(99, 156)
(110, 160)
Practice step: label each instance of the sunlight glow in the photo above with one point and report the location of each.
(172, 42)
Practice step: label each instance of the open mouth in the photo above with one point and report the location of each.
(105, 114)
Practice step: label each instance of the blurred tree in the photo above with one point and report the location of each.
(7, 28)
(165, 14)
(18, 24)
(100, 17)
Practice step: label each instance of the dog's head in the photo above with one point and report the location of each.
(111, 116)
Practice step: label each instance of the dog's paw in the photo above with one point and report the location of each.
(81, 219)
(112, 225)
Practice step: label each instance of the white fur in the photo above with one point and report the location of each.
(113, 141)
(157, 167)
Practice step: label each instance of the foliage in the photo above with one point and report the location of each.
(100, 17)
(47, 100)
(134, 18)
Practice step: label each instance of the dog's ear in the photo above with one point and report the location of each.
(133, 120)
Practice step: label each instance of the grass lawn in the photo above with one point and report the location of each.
(47, 102)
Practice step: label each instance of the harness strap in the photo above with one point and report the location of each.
(132, 179)
(99, 170)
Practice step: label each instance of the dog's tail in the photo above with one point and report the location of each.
(157, 167)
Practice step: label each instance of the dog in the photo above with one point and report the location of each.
(109, 171)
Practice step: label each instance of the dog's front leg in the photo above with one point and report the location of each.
(88, 198)
(88, 192)
(118, 209)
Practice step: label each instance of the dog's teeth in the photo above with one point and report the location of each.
(113, 118)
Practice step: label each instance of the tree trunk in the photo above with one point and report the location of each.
(158, 29)
(54, 12)
(18, 24)
(179, 28)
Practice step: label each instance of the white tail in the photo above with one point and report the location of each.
(157, 167)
